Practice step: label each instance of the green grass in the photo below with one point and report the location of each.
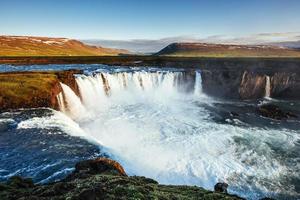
(26, 89)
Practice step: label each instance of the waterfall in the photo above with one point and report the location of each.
(61, 102)
(98, 90)
(198, 84)
(268, 87)
(70, 103)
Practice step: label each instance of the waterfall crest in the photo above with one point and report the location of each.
(97, 90)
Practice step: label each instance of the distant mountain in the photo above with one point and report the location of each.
(291, 44)
(226, 50)
(136, 46)
(150, 46)
(45, 46)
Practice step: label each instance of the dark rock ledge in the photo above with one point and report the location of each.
(103, 178)
(275, 112)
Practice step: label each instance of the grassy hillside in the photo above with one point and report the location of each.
(222, 50)
(44, 46)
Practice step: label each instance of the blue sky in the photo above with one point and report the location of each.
(141, 19)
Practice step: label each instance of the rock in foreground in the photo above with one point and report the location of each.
(103, 179)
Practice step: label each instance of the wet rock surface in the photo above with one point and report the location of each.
(275, 112)
(221, 187)
(103, 178)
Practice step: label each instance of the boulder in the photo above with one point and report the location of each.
(99, 166)
(221, 187)
(274, 112)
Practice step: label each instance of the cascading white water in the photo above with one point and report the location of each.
(154, 129)
(61, 102)
(268, 87)
(98, 90)
(198, 84)
(70, 103)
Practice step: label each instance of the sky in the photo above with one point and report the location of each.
(141, 19)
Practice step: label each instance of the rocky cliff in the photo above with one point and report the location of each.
(251, 84)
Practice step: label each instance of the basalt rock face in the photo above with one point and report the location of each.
(285, 85)
(252, 86)
(67, 77)
(280, 85)
(106, 181)
(247, 84)
(221, 83)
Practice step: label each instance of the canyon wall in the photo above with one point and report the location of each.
(247, 84)
(251, 78)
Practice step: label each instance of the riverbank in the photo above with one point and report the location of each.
(33, 89)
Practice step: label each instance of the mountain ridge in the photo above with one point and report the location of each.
(48, 46)
(226, 50)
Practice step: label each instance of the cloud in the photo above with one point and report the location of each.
(150, 46)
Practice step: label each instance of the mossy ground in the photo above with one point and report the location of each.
(109, 187)
(26, 89)
(103, 178)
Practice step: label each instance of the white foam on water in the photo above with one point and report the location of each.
(181, 145)
(55, 175)
(7, 120)
(154, 130)
(57, 120)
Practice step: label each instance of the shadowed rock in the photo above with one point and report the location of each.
(274, 112)
(19, 182)
(221, 187)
